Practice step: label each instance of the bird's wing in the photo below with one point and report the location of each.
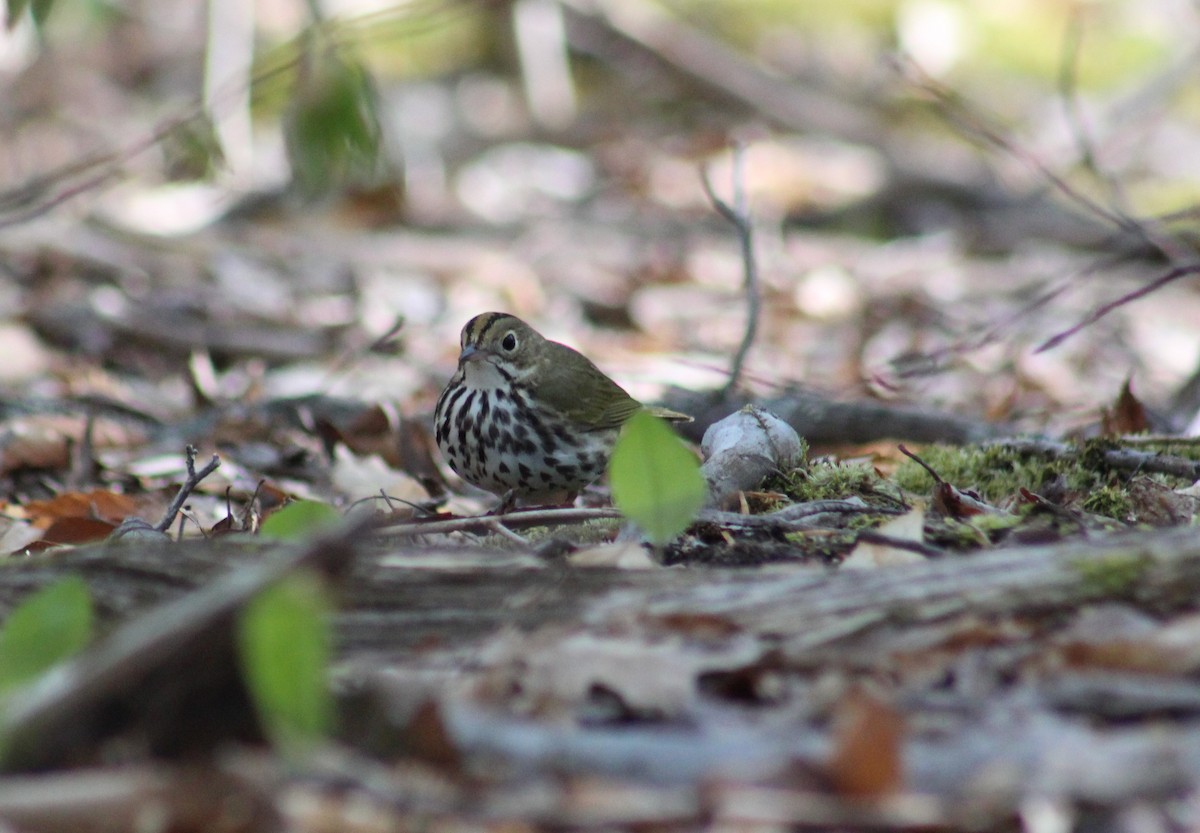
(586, 396)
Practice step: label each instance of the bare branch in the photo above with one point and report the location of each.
(739, 216)
(486, 523)
(193, 480)
(1174, 275)
(973, 122)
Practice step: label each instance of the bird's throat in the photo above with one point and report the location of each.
(483, 375)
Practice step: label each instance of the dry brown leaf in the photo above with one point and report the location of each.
(111, 507)
(646, 674)
(428, 738)
(1126, 416)
(695, 624)
(44, 441)
(868, 735)
(1113, 638)
(73, 530)
(1153, 503)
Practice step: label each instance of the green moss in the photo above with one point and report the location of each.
(1109, 501)
(997, 473)
(993, 472)
(826, 480)
(831, 548)
(1113, 575)
(599, 531)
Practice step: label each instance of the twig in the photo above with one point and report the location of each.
(496, 526)
(870, 536)
(796, 516)
(995, 330)
(1174, 275)
(739, 216)
(532, 517)
(193, 480)
(83, 455)
(1068, 89)
(937, 478)
(1086, 144)
(972, 121)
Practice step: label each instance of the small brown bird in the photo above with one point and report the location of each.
(526, 417)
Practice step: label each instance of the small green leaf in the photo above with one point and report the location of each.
(332, 129)
(192, 150)
(284, 643)
(299, 520)
(41, 12)
(655, 479)
(47, 627)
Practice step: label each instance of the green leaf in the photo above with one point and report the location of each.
(332, 131)
(655, 479)
(192, 150)
(41, 12)
(47, 627)
(284, 642)
(299, 520)
(13, 9)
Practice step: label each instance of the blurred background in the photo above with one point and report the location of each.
(229, 200)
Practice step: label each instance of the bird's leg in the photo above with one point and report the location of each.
(507, 503)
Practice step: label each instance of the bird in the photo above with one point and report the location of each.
(526, 418)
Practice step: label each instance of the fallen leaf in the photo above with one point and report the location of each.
(619, 556)
(73, 531)
(111, 507)
(360, 476)
(1126, 416)
(868, 735)
(868, 555)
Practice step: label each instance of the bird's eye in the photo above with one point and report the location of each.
(509, 342)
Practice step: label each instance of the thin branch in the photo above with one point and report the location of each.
(498, 527)
(937, 478)
(798, 516)
(486, 523)
(739, 216)
(870, 536)
(1174, 275)
(1086, 144)
(970, 120)
(193, 480)
(1068, 89)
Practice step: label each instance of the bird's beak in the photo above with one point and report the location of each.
(470, 352)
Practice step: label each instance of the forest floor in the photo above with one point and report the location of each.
(972, 606)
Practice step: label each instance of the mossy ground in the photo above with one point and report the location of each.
(1080, 481)
(1035, 496)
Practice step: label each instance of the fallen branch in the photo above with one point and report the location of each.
(489, 523)
(122, 798)
(138, 526)
(810, 515)
(193, 480)
(168, 681)
(823, 421)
